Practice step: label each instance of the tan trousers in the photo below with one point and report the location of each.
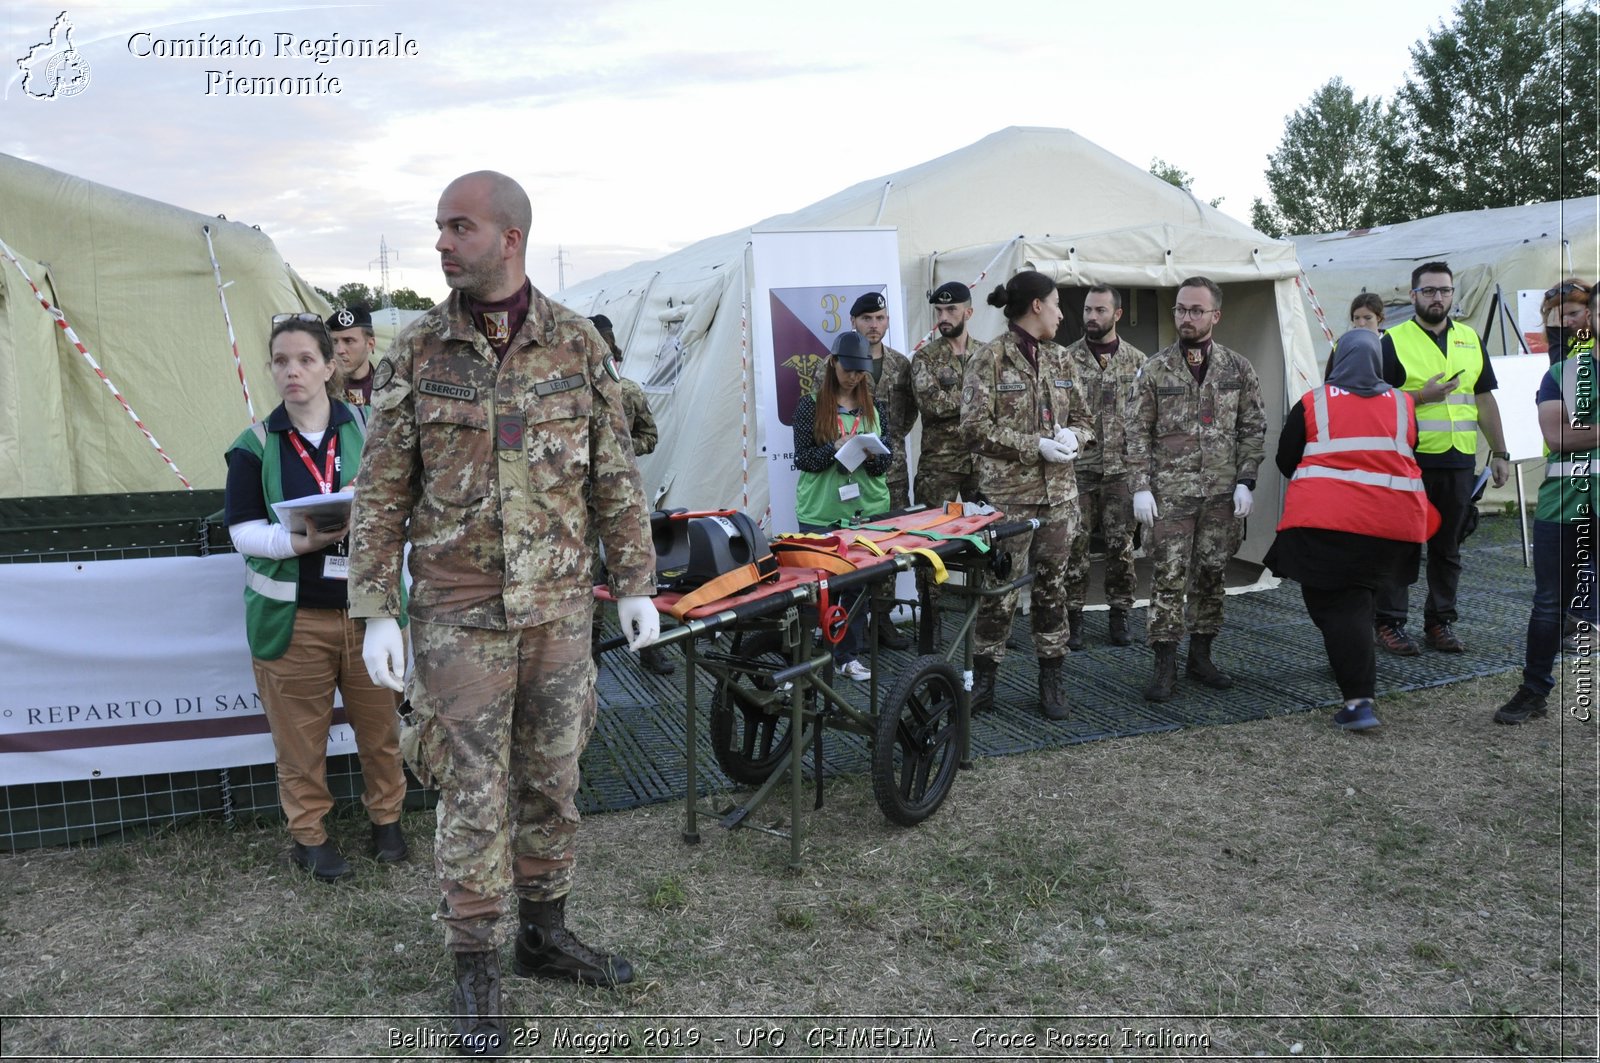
(297, 692)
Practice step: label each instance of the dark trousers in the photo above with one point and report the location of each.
(1450, 491)
(1345, 618)
(1563, 582)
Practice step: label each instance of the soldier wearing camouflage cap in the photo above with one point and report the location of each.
(1196, 434)
(495, 415)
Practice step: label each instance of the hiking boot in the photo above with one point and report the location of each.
(984, 670)
(1524, 705)
(654, 659)
(1200, 666)
(889, 636)
(1119, 628)
(480, 1026)
(547, 949)
(1166, 672)
(1394, 639)
(388, 844)
(1074, 629)
(324, 861)
(1439, 637)
(1356, 717)
(1052, 689)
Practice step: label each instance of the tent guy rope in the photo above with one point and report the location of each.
(216, 271)
(61, 320)
(923, 342)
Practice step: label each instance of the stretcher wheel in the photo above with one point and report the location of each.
(749, 716)
(917, 745)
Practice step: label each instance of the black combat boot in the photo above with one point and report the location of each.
(1119, 627)
(889, 636)
(655, 659)
(480, 1026)
(1166, 673)
(1074, 630)
(547, 949)
(984, 670)
(1200, 666)
(1052, 689)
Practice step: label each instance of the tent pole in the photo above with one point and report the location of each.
(883, 201)
(216, 271)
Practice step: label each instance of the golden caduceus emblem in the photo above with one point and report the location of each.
(805, 367)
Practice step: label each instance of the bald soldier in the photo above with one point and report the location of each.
(495, 416)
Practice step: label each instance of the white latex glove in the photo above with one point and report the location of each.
(1068, 441)
(1144, 508)
(1052, 451)
(1242, 501)
(640, 621)
(384, 652)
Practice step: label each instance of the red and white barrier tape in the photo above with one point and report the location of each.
(1322, 318)
(744, 401)
(216, 271)
(61, 320)
(976, 281)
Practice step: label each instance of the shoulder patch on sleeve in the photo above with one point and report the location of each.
(611, 370)
(383, 375)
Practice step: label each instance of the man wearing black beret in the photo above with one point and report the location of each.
(353, 344)
(944, 467)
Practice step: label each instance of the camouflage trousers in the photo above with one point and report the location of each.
(1190, 546)
(1044, 553)
(1105, 504)
(938, 483)
(501, 719)
(899, 490)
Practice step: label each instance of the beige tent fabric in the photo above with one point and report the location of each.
(134, 279)
(1036, 198)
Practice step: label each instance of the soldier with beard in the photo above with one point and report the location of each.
(945, 470)
(1442, 363)
(1107, 368)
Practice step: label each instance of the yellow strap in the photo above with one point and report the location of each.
(933, 559)
(863, 541)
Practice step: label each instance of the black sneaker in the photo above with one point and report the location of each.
(1524, 705)
(324, 861)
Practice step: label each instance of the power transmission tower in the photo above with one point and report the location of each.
(382, 262)
(561, 268)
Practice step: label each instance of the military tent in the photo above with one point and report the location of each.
(134, 280)
(1020, 198)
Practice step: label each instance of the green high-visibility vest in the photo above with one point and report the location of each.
(1451, 423)
(1567, 494)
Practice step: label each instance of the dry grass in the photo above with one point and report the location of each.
(1425, 890)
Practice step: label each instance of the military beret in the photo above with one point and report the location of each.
(349, 317)
(950, 292)
(601, 322)
(868, 303)
(850, 349)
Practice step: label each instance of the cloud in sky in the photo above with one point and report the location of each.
(640, 126)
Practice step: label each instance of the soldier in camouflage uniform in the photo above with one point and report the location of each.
(1106, 366)
(891, 382)
(1024, 416)
(945, 469)
(1196, 436)
(495, 415)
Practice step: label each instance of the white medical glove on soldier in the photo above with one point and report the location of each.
(1068, 440)
(1144, 508)
(384, 652)
(640, 621)
(1242, 501)
(1052, 451)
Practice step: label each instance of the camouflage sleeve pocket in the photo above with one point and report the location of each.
(423, 747)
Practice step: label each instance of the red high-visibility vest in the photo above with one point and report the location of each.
(1358, 473)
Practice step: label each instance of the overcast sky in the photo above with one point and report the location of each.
(640, 126)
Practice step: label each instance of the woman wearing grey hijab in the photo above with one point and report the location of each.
(1355, 515)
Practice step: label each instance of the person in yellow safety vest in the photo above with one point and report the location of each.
(1442, 364)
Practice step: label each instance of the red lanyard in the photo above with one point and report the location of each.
(324, 482)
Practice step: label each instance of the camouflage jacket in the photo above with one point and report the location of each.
(1007, 407)
(1194, 440)
(936, 375)
(893, 386)
(641, 422)
(1106, 390)
(491, 466)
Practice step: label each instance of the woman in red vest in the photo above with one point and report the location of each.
(1355, 515)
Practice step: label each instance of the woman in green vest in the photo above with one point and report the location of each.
(303, 641)
(829, 495)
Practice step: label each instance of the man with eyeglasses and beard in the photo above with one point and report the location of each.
(1196, 434)
(1443, 364)
(1107, 368)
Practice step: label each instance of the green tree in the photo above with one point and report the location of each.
(406, 299)
(1179, 178)
(357, 294)
(1331, 166)
(332, 299)
(1500, 106)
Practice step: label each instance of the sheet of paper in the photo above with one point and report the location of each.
(856, 449)
(326, 511)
